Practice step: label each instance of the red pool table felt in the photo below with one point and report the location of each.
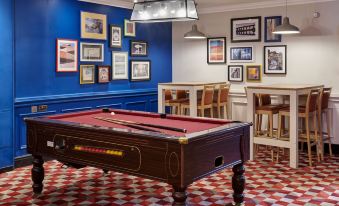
(190, 124)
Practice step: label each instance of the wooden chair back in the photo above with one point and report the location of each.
(223, 92)
(324, 98)
(265, 99)
(207, 95)
(312, 100)
(181, 94)
(168, 95)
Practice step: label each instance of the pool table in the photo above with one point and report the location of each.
(190, 149)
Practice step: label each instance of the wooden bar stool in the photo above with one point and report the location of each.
(221, 100)
(206, 102)
(175, 103)
(323, 110)
(305, 112)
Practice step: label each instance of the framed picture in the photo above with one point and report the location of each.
(216, 50)
(93, 26)
(66, 55)
(241, 54)
(91, 52)
(115, 37)
(271, 22)
(235, 73)
(104, 74)
(246, 29)
(275, 59)
(138, 48)
(119, 65)
(129, 27)
(253, 73)
(87, 74)
(140, 70)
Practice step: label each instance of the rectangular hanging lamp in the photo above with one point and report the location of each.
(164, 11)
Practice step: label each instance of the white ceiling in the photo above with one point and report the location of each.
(213, 6)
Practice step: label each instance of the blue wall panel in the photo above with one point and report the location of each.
(6, 79)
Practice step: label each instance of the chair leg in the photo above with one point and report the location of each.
(257, 124)
(225, 111)
(260, 122)
(219, 111)
(328, 122)
(308, 141)
(279, 126)
(321, 135)
(271, 124)
(316, 136)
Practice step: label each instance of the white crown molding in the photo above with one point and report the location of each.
(115, 3)
(256, 5)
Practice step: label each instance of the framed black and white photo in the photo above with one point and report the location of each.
(216, 50)
(115, 37)
(87, 73)
(242, 54)
(246, 29)
(91, 52)
(235, 73)
(140, 70)
(93, 26)
(275, 59)
(271, 22)
(138, 48)
(119, 65)
(104, 74)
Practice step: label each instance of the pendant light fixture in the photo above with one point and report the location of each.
(286, 27)
(149, 11)
(194, 33)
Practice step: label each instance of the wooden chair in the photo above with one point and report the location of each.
(175, 103)
(305, 112)
(206, 102)
(323, 110)
(221, 100)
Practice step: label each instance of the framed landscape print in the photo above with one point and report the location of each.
(253, 73)
(140, 70)
(93, 26)
(119, 65)
(104, 74)
(115, 37)
(91, 52)
(235, 73)
(275, 59)
(66, 55)
(138, 48)
(241, 54)
(246, 29)
(216, 50)
(87, 74)
(271, 22)
(129, 28)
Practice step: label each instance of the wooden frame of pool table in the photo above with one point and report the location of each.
(178, 161)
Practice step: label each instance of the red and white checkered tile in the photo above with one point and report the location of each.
(267, 184)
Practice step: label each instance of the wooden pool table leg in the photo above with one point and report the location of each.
(179, 195)
(238, 183)
(38, 174)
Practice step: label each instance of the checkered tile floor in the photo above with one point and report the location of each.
(267, 184)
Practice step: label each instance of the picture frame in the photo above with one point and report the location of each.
(66, 55)
(275, 59)
(115, 36)
(216, 50)
(87, 73)
(138, 48)
(253, 73)
(246, 29)
(271, 22)
(119, 65)
(140, 70)
(93, 26)
(91, 52)
(242, 54)
(235, 73)
(104, 74)
(129, 28)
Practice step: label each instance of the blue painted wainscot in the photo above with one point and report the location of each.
(38, 23)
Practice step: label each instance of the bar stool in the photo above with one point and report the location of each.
(175, 103)
(323, 110)
(221, 100)
(306, 112)
(206, 102)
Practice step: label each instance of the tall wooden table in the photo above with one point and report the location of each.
(192, 87)
(291, 90)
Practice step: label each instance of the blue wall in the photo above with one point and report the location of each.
(38, 23)
(6, 79)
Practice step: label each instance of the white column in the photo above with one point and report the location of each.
(161, 99)
(250, 118)
(193, 101)
(294, 129)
